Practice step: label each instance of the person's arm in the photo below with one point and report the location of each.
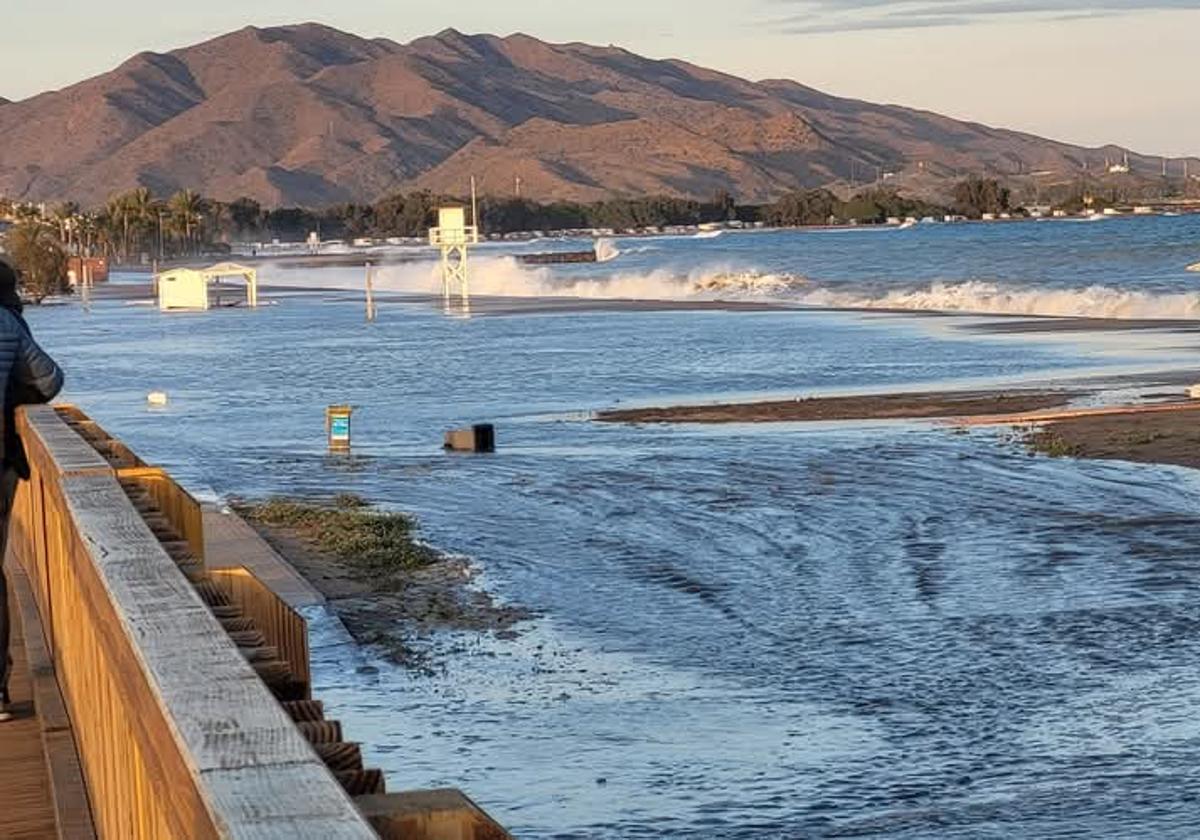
(35, 376)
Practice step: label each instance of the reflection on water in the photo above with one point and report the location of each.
(877, 630)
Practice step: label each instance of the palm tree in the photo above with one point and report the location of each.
(139, 206)
(218, 217)
(87, 233)
(66, 218)
(116, 216)
(132, 213)
(187, 209)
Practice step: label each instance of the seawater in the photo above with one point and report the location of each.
(1107, 267)
(861, 629)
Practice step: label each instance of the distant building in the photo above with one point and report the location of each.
(96, 270)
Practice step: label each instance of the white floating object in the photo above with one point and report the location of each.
(1194, 392)
(1194, 267)
(157, 398)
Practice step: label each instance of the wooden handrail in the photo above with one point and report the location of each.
(182, 511)
(177, 735)
(284, 628)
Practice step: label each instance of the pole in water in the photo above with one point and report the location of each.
(87, 288)
(474, 205)
(370, 292)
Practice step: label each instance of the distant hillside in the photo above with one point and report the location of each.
(310, 115)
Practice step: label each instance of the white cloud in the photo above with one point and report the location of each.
(822, 16)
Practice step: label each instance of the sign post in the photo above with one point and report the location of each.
(337, 427)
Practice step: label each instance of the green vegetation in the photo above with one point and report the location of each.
(377, 546)
(39, 256)
(413, 214)
(1087, 198)
(136, 226)
(821, 207)
(976, 196)
(1048, 443)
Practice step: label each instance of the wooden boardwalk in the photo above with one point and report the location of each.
(26, 798)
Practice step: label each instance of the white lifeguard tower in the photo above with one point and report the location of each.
(191, 288)
(453, 236)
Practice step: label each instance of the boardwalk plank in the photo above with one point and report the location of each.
(26, 806)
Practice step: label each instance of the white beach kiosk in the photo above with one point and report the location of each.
(192, 288)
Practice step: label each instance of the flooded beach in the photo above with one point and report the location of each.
(863, 628)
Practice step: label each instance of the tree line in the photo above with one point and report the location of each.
(137, 227)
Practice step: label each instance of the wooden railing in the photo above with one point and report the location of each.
(284, 628)
(181, 510)
(177, 735)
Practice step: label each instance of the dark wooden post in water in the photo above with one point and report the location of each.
(370, 292)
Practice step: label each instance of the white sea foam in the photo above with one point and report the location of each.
(994, 299)
(606, 250)
(504, 277)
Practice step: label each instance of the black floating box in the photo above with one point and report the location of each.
(485, 437)
(478, 438)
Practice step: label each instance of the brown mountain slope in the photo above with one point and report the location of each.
(309, 115)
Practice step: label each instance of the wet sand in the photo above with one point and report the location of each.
(912, 406)
(1164, 437)
(1020, 324)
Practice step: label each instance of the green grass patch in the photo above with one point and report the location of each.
(1048, 443)
(373, 543)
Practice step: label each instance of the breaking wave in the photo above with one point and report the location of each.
(504, 277)
(985, 298)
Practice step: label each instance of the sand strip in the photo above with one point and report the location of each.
(913, 406)
(1142, 434)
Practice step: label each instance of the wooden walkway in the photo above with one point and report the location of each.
(26, 798)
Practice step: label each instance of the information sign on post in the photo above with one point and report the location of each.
(337, 427)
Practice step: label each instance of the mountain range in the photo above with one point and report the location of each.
(309, 115)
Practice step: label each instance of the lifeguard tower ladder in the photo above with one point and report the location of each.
(453, 236)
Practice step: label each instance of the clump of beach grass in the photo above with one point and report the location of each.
(1048, 443)
(371, 543)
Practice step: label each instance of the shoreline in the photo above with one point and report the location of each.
(1170, 438)
(903, 406)
(393, 598)
(1164, 429)
(968, 321)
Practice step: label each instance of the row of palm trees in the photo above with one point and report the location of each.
(131, 226)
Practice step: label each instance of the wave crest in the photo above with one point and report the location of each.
(504, 277)
(979, 297)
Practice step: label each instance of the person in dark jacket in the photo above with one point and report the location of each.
(27, 375)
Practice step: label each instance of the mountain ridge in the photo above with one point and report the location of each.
(308, 114)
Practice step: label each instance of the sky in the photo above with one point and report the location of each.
(1083, 71)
